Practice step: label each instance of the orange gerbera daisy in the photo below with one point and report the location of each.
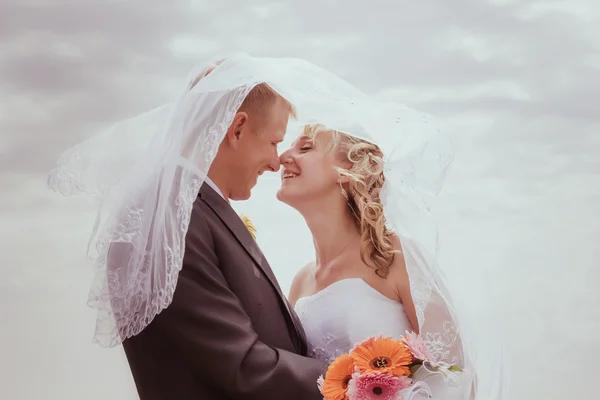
(337, 377)
(382, 355)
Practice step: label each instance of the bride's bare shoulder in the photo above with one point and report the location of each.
(397, 272)
(301, 282)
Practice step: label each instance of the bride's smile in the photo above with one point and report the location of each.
(287, 174)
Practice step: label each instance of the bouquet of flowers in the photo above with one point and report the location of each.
(379, 368)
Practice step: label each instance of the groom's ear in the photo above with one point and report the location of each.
(236, 129)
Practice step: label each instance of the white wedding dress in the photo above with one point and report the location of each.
(346, 313)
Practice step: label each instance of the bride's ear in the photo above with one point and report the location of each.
(342, 177)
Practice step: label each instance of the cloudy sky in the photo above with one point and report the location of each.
(515, 82)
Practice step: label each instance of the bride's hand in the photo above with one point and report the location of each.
(206, 71)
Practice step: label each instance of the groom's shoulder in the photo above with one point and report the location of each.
(204, 217)
(200, 217)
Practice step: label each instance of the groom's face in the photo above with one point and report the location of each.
(257, 150)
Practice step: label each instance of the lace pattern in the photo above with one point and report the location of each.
(441, 344)
(138, 242)
(326, 353)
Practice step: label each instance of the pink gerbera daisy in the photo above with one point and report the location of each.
(419, 349)
(377, 386)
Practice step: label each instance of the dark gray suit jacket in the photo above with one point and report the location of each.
(229, 332)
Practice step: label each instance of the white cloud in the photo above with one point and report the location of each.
(506, 90)
(582, 10)
(481, 48)
(194, 46)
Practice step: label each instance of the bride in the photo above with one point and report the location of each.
(334, 181)
(359, 285)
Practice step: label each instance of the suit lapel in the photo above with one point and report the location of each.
(230, 218)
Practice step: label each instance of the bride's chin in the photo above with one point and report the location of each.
(280, 196)
(283, 195)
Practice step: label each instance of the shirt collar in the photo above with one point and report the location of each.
(214, 187)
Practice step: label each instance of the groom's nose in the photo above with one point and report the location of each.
(274, 165)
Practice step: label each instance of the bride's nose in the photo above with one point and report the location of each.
(286, 157)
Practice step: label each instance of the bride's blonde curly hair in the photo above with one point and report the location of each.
(362, 192)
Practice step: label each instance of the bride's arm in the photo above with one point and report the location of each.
(399, 276)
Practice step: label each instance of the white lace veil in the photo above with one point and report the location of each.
(145, 173)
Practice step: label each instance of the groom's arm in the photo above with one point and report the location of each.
(207, 323)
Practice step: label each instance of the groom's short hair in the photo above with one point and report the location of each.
(261, 98)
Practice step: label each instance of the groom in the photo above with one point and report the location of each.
(229, 332)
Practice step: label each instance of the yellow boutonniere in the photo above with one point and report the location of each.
(249, 225)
